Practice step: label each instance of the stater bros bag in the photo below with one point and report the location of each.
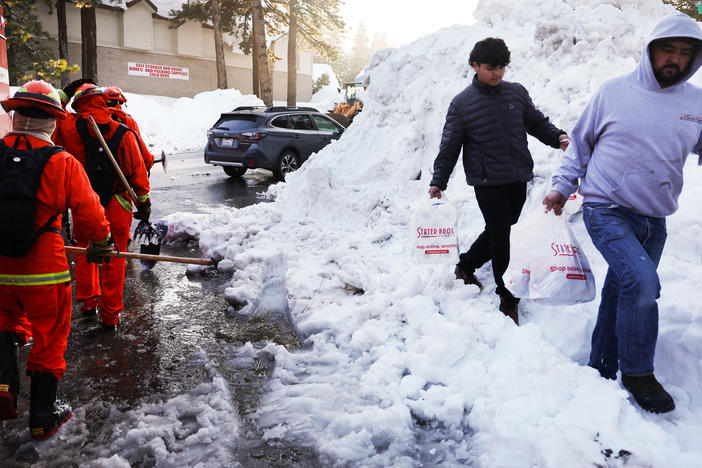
(434, 232)
(547, 262)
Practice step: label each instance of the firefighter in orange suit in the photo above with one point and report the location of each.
(38, 182)
(115, 98)
(75, 134)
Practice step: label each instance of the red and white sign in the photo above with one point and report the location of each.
(157, 71)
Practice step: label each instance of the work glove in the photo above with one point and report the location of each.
(71, 88)
(95, 253)
(143, 211)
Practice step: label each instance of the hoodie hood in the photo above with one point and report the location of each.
(93, 104)
(679, 26)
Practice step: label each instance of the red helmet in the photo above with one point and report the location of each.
(36, 94)
(114, 93)
(86, 89)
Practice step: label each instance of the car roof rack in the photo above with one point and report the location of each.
(285, 109)
(249, 108)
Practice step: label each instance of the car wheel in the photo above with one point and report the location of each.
(232, 171)
(287, 162)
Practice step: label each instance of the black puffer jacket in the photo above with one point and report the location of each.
(491, 124)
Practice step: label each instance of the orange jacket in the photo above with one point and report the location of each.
(122, 117)
(64, 184)
(128, 155)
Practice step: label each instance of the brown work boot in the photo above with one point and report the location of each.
(508, 303)
(467, 278)
(648, 393)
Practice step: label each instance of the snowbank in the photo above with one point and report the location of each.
(330, 94)
(404, 365)
(176, 125)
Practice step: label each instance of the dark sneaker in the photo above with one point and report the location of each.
(467, 278)
(89, 312)
(508, 304)
(648, 393)
(108, 327)
(9, 376)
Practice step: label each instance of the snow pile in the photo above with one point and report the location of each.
(404, 365)
(193, 429)
(181, 124)
(328, 95)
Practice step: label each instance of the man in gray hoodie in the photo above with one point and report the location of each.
(628, 149)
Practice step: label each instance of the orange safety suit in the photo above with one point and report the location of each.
(109, 297)
(35, 290)
(122, 117)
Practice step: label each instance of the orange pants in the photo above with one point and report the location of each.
(46, 311)
(110, 295)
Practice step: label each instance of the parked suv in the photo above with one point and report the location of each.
(278, 138)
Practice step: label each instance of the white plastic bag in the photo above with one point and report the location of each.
(434, 231)
(574, 204)
(547, 262)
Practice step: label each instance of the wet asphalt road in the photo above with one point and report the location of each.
(169, 316)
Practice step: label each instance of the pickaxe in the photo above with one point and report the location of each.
(163, 161)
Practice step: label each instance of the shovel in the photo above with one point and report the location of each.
(151, 236)
(192, 261)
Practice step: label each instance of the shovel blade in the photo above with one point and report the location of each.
(151, 249)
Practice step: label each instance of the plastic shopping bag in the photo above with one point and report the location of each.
(434, 231)
(547, 262)
(574, 204)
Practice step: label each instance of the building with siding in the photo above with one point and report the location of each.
(141, 52)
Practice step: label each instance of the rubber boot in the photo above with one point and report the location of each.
(9, 377)
(46, 413)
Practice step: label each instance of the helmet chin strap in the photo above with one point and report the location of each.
(33, 126)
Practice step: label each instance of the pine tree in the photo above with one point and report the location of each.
(62, 38)
(312, 20)
(689, 7)
(88, 36)
(27, 57)
(261, 52)
(219, 47)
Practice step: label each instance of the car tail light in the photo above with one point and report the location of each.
(253, 136)
(209, 133)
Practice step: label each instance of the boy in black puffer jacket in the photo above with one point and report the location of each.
(489, 121)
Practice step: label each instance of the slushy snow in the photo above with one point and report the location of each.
(403, 365)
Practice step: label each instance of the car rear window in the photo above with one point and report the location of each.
(239, 123)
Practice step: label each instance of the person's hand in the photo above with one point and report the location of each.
(143, 211)
(97, 251)
(434, 192)
(564, 141)
(554, 201)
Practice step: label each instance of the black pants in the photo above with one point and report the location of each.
(501, 206)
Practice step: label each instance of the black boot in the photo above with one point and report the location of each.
(9, 377)
(648, 393)
(508, 303)
(46, 413)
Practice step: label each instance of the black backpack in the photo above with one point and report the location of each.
(20, 174)
(100, 171)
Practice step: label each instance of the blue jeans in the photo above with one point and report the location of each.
(627, 323)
